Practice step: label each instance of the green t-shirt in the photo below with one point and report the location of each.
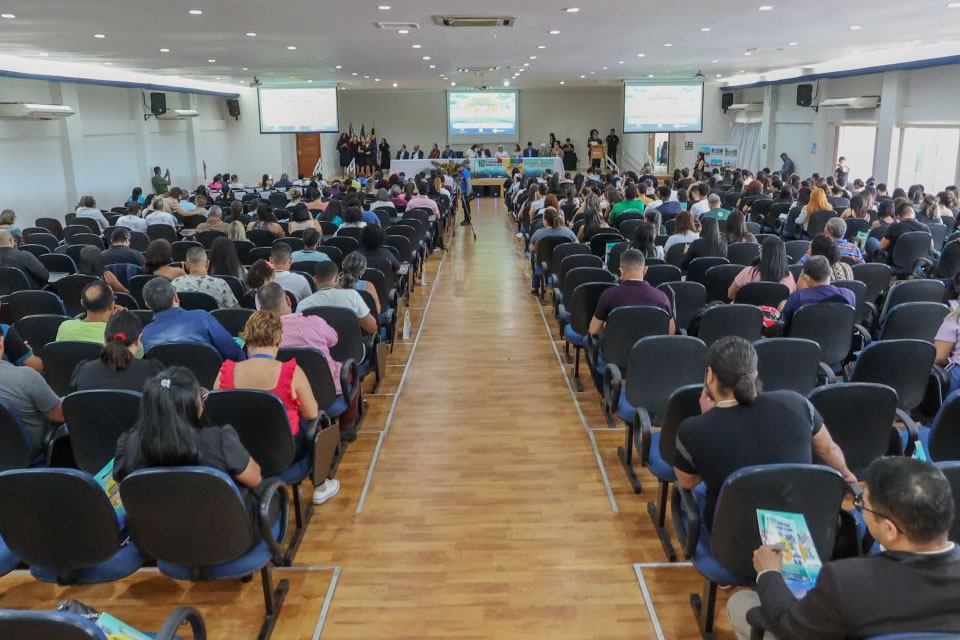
(160, 184)
(80, 331)
(718, 214)
(626, 205)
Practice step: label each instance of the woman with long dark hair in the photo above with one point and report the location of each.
(343, 147)
(91, 264)
(736, 230)
(645, 241)
(711, 243)
(684, 231)
(117, 367)
(157, 260)
(266, 220)
(224, 259)
(384, 155)
(773, 267)
(857, 208)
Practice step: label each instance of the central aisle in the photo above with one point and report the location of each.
(486, 516)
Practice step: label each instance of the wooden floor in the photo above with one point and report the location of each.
(478, 502)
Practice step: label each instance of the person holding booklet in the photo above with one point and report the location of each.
(912, 585)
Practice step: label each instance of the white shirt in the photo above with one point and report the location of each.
(653, 205)
(330, 297)
(503, 154)
(699, 208)
(95, 214)
(134, 223)
(161, 217)
(294, 283)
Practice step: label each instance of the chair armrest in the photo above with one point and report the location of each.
(681, 331)
(561, 311)
(923, 263)
(644, 434)
(827, 372)
(612, 384)
(758, 624)
(939, 373)
(684, 506)
(349, 381)
(913, 432)
(862, 330)
(591, 349)
(179, 617)
(873, 312)
(270, 488)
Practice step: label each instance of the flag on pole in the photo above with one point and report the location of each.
(350, 129)
(376, 144)
(363, 130)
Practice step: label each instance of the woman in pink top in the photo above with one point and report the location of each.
(773, 267)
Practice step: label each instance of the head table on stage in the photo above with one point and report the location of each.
(481, 167)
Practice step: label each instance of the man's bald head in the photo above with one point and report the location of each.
(6, 239)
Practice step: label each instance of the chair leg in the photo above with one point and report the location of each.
(703, 608)
(658, 514)
(302, 517)
(566, 350)
(273, 602)
(625, 453)
(576, 369)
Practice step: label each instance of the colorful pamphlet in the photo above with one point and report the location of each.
(112, 628)
(112, 488)
(919, 452)
(789, 531)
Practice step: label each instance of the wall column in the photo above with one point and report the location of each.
(71, 137)
(892, 95)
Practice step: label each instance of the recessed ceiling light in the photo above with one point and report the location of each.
(291, 48)
(604, 68)
(572, 9)
(7, 16)
(619, 61)
(555, 32)
(592, 72)
(99, 36)
(395, 85)
(416, 46)
(668, 44)
(582, 76)
(109, 64)
(855, 27)
(704, 29)
(747, 53)
(541, 46)
(366, 77)
(765, 7)
(44, 54)
(196, 12)
(714, 61)
(164, 50)
(211, 60)
(384, 7)
(310, 81)
(433, 66)
(650, 76)
(792, 44)
(742, 71)
(641, 55)
(526, 64)
(218, 78)
(339, 66)
(403, 32)
(718, 75)
(562, 82)
(425, 58)
(533, 57)
(506, 83)
(354, 73)
(376, 79)
(250, 34)
(245, 69)
(453, 84)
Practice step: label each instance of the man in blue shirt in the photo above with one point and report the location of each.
(814, 286)
(466, 193)
(173, 324)
(448, 153)
(788, 168)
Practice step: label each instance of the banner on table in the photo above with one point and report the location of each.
(503, 167)
(719, 155)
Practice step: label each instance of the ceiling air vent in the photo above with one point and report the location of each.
(397, 26)
(474, 21)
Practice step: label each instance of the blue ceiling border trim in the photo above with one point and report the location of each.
(899, 66)
(115, 83)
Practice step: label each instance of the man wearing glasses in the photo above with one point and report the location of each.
(911, 585)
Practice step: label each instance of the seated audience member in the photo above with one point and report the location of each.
(911, 586)
(131, 219)
(645, 241)
(281, 259)
(836, 228)
(818, 202)
(352, 218)
(16, 351)
(159, 214)
(224, 259)
(262, 335)
(259, 274)
(283, 182)
(237, 231)
(684, 231)
(235, 214)
(371, 245)
(99, 305)
(8, 223)
(823, 245)
(553, 227)
(714, 210)
(663, 196)
(633, 290)
(300, 219)
(157, 260)
(420, 200)
(309, 253)
(28, 264)
(351, 277)
(906, 222)
(170, 432)
(593, 222)
(314, 200)
(773, 267)
(88, 209)
(266, 220)
(328, 294)
(629, 203)
(91, 264)
(173, 324)
(214, 221)
(383, 202)
(710, 244)
(947, 340)
(120, 251)
(736, 230)
(198, 279)
(23, 390)
(118, 366)
(814, 286)
(702, 202)
(739, 426)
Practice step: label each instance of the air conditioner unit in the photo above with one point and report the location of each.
(859, 102)
(474, 21)
(746, 106)
(179, 114)
(33, 111)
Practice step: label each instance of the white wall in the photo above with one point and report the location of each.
(107, 148)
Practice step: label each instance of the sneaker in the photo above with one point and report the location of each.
(327, 490)
(465, 223)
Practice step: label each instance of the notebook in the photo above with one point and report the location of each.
(789, 531)
(112, 488)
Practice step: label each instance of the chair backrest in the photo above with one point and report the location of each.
(50, 625)
(829, 324)
(260, 419)
(855, 226)
(683, 403)
(190, 516)
(577, 261)
(317, 370)
(788, 363)
(818, 221)
(401, 244)
(243, 250)
(581, 275)
(39, 330)
(860, 417)
(949, 264)
(72, 230)
(698, 267)
(910, 247)
(796, 249)
(261, 237)
(47, 240)
(657, 274)
(202, 359)
(912, 291)
(61, 358)
(346, 244)
(945, 431)
(859, 290)
(181, 247)
(545, 249)
(659, 365)
(36, 249)
(259, 253)
(192, 300)
(16, 447)
(50, 224)
(676, 254)
(687, 299)
(762, 294)
(162, 232)
(718, 279)
(58, 263)
(60, 520)
(13, 279)
(295, 244)
(236, 285)
(136, 287)
(743, 253)
(206, 238)
(96, 418)
(599, 242)
(583, 304)
(626, 325)
(916, 320)
(628, 224)
(350, 232)
(876, 276)
(722, 320)
(233, 320)
(902, 364)
(349, 334)
(815, 491)
(563, 251)
(31, 303)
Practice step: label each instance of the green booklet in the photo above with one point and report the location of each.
(789, 531)
(112, 488)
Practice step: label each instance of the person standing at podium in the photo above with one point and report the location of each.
(594, 139)
(613, 143)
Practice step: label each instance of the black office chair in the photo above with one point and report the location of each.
(233, 320)
(95, 419)
(30, 303)
(576, 261)
(571, 279)
(162, 232)
(12, 280)
(676, 254)
(202, 359)
(144, 315)
(904, 365)
(136, 287)
(830, 325)
(624, 326)
(717, 280)
(62, 523)
(52, 225)
(61, 358)
(743, 253)
(194, 521)
(193, 300)
(599, 242)
(16, 445)
(39, 330)
(583, 304)
(43, 239)
(762, 294)
(657, 274)
(796, 249)
(723, 320)
(542, 260)
(206, 238)
(687, 298)
(259, 253)
(181, 247)
(295, 244)
(913, 320)
(912, 251)
(244, 247)
(911, 291)
(658, 366)
(560, 252)
(698, 267)
(865, 312)
(876, 276)
(860, 417)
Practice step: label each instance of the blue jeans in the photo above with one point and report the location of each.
(953, 373)
(872, 246)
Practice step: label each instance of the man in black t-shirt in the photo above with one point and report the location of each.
(739, 426)
(906, 222)
(613, 144)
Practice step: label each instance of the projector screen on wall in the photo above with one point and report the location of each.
(656, 107)
(298, 110)
(482, 116)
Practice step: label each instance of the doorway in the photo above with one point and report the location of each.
(308, 153)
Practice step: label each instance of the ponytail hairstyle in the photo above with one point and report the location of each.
(733, 361)
(169, 419)
(551, 218)
(353, 267)
(122, 332)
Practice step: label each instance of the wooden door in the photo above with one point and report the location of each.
(308, 152)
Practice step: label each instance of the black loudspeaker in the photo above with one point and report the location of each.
(158, 103)
(233, 107)
(726, 100)
(804, 95)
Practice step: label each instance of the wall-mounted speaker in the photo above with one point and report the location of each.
(726, 99)
(158, 103)
(233, 107)
(804, 95)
